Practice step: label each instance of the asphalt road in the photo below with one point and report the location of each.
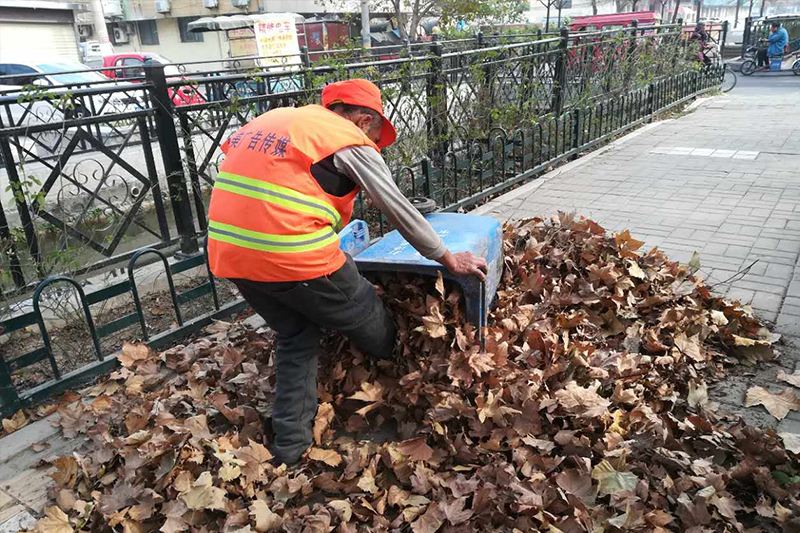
(766, 83)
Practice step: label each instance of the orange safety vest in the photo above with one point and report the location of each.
(269, 219)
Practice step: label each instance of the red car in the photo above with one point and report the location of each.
(131, 66)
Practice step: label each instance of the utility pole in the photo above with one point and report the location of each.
(100, 29)
(699, 9)
(366, 40)
(763, 2)
(736, 16)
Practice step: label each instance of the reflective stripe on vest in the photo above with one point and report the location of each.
(278, 195)
(268, 242)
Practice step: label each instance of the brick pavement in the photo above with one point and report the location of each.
(722, 180)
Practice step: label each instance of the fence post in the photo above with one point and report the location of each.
(21, 203)
(560, 76)
(9, 400)
(651, 99)
(722, 40)
(11, 253)
(171, 156)
(437, 106)
(746, 34)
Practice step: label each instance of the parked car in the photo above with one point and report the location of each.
(49, 93)
(131, 66)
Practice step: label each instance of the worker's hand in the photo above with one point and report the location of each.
(464, 264)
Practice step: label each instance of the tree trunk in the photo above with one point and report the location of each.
(633, 5)
(594, 7)
(547, 19)
(675, 12)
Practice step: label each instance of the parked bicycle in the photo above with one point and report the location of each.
(714, 60)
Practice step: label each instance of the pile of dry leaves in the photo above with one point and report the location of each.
(587, 411)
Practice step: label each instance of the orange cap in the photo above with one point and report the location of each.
(362, 93)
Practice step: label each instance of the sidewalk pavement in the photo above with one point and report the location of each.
(722, 180)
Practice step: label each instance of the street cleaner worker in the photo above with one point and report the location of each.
(288, 183)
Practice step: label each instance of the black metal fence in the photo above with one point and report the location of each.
(96, 171)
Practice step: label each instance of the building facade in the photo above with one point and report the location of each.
(40, 31)
(161, 26)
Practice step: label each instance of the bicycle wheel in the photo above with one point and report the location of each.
(796, 68)
(748, 67)
(728, 80)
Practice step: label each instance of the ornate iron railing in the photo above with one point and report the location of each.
(95, 172)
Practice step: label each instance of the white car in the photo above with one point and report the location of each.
(62, 86)
(50, 93)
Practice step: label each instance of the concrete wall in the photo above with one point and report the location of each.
(214, 45)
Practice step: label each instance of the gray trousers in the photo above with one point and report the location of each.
(297, 311)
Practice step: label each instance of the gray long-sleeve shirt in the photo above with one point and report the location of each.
(367, 168)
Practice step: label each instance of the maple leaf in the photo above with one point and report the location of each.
(17, 421)
(454, 511)
(322, 421)
(778, 405)
(370, 392)
(490, 407)
(255, 459)
(481, 362)
(582, 401)
(579, 484)
(698, 394)
(791, 379)
(327, 456)
(791, 441)
(433, 324)
(689, 346)
(416, 449)
(66, 473)
(343, 509)
(174, 511)
(265, 519)
(229, 472)
(54, 521)
(132, 354)
(367, 482)
(203, 495)
(430, 521)
(626, 244)
(611, 481)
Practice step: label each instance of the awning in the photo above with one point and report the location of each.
(230, 22)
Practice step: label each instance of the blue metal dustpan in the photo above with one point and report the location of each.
(480, 235)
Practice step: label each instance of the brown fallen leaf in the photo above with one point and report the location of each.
(416, 449)
(132, 354)
(265, 519)
(322, 421)
(327, 456)
(17, 421)
(55, 521)
(204, 495)
(791, 441)
(778, 405)
(611, 481)
(792, 379)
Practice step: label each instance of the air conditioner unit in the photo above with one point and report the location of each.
(211, 4)
(120, 35)
(162, 6)
(112, 8)
(240, 3)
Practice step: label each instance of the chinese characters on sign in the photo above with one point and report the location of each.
(265, 142)
(276, 39)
